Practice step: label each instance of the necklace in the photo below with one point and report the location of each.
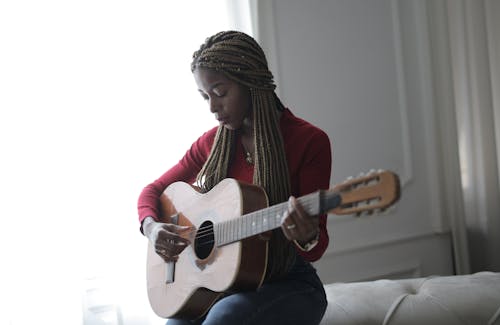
(248, 157)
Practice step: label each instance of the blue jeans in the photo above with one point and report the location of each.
(298, 298)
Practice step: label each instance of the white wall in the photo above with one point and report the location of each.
(364, 72)
(410, 86)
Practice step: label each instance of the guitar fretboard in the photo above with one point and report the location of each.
(270, 218)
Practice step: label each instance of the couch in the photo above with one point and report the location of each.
(472, 299)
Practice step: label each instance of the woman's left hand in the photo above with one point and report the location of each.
(298, 225)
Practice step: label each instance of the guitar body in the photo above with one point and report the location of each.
(203, 271)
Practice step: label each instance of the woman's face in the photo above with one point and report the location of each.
(229, 101)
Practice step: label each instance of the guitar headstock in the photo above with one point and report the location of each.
(372, 192)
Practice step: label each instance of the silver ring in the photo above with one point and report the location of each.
(290, 226)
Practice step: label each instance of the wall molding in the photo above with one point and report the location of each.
(389, 260)
(380, 243)
(407, 174)
(403, 270)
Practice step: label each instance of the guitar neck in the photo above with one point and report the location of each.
(260, 221)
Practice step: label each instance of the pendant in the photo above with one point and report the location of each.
(248, 158)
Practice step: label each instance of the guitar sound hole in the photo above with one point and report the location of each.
(204, 242)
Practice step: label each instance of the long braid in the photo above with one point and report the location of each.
(271, 168)
(215, 168)
(241, 59)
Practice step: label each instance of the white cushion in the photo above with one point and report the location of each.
(466, 299)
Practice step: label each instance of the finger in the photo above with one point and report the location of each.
(306, 226)
(164, 253)
(179, 229)
(288, 226)
(178, 241)
(292, 222)
(297, 208)
(169, 259)
(170, 253)
(171, 238)
(178, 232)
(301, 217)
(176, 228)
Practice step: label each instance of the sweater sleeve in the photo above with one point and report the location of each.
(315, 174)
(185, 170)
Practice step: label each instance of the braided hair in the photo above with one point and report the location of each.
(240, 58)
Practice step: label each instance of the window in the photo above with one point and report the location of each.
(97, 99)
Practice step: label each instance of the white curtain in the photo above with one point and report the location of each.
(474, 35)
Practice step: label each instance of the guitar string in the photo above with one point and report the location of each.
(208, 230)
(307, 202)
(205, 231)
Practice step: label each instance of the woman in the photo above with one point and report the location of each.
(258, 141)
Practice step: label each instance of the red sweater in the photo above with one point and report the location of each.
(309, 162)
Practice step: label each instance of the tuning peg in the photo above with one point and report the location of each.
(385, 211)
(347, 180)
(361, 214)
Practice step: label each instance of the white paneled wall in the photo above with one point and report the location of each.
(362, 71)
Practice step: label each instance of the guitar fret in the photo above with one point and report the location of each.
(260, 225)
(244, 230)
(238, 232)
(226, 224)
(234, 231)
(223, 233)
(257, 224)
(261, 221)
(219, 233)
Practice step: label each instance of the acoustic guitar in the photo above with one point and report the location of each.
(225, 253)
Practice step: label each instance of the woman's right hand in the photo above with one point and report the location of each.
(168, 240)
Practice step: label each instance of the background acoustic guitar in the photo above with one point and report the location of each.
(225, 254)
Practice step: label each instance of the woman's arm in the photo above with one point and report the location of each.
(185, 170)
(315, 174)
